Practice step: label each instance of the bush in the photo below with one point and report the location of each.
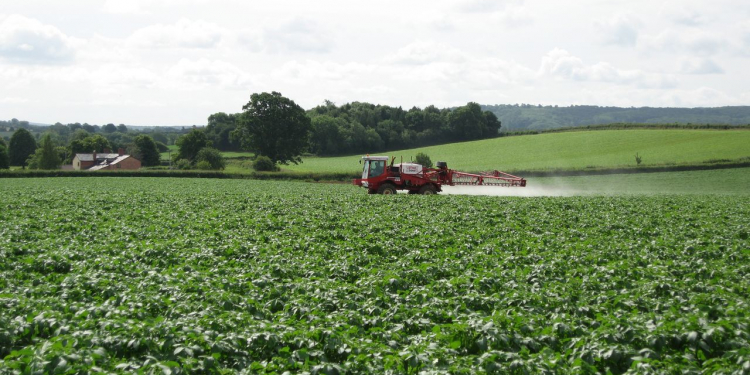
(211, 156)
(203, 165)
(423, 159)
(264, 164)
(182, 164)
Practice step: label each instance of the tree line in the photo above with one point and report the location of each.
(59, 144)
(359, 127)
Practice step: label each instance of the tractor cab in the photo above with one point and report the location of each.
(374, 166)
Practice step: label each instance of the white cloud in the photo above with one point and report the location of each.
(700, 66)
(684, 16)
(28, 41)
(298, 35)
(620, 30)
(505, 12)
(207, 74)
(311, 70)
(561, 64)
(145, 7)
(13, 100)
(183, 34)
(485, 6)
(426, 52)
(700, 97)
(693, 42)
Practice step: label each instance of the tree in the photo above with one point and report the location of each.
(212, 157)
(109, 128)
(92, 143)
(4, 158)
(468, 122)
(423, 159)
(46, 156)
(122, 128)
(492, 124)
(326, 138)
(190, 144)
(147, 152)
(273, 126)
(220, 126)
(22, 145)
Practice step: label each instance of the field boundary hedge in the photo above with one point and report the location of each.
(181, 174)
(345, 177)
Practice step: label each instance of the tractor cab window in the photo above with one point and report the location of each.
(377, 167)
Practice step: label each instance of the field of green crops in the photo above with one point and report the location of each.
(577, 150)
(175, 276)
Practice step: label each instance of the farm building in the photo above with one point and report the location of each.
(105, 161)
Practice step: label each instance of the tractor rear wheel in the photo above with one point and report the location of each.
(428, 190)
(387, 189)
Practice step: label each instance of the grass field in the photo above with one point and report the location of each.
(216, 276)
(576, 150)
(227, 154)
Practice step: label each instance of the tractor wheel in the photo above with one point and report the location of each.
(372, 191)
(387, 189)
(427, 190)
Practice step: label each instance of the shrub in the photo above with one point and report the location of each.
(203, 165)
(211, 156)
(423, 159)
(182, 164)
(264, 164)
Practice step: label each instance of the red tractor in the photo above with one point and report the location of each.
(381, 178)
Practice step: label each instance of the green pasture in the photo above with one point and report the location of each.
(579, 150)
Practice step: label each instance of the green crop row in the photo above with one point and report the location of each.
(241, 276)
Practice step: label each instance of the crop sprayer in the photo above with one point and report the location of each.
(381, 178)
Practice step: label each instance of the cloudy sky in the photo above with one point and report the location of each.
(174, 62)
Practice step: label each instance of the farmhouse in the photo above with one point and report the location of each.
(105, 161)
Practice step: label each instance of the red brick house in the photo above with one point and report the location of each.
(105, 161)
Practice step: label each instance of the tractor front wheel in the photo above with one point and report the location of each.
(427, 190)
(387, 189)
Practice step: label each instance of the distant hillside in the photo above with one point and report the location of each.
(530, 117)
(575, 150)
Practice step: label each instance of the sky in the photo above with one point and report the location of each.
(175, 62)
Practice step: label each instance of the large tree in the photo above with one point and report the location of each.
(190, 144)
(468, 122)
(4, 159)
(46, 156)
(147, 152)
(92, 143)
(220, 126)
(22, 145)
(109, 128)
(273, 126)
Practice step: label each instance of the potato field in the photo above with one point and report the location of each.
(184, 276)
